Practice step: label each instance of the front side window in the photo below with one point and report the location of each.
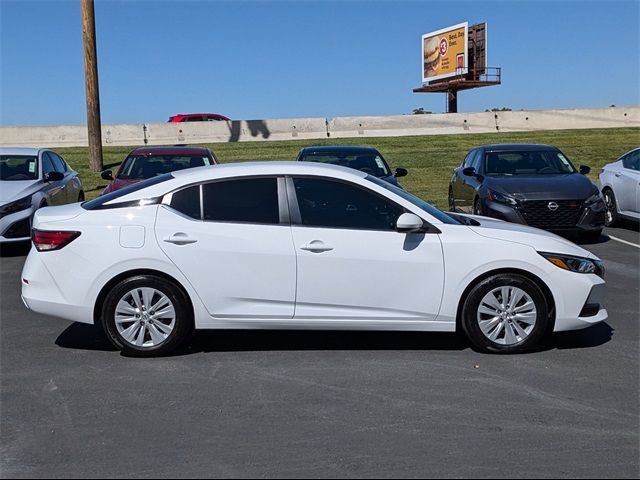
(632, 161)
(58, 163)
(244, 200)
(47, 164)
(334, 204)
(18, 167)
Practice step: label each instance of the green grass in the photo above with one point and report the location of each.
(429, 159)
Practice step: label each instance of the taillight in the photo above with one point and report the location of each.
(45, 241)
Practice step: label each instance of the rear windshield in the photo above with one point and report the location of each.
(141, 167)
(18, 167)
(370, 163)
(538, 162)
(99, 202)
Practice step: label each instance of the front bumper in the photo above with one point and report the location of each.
(571, 216)
(16, 227)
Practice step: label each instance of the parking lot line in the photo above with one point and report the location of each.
(623, 241)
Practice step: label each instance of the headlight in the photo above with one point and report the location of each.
(575, 264)
(596, 197)
(16, 206)
(500, 198)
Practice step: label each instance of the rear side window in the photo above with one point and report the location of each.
(187, 201)
(247, 200)
(333, 204)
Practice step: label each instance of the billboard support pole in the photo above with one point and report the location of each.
(452, 103)
(91, 85)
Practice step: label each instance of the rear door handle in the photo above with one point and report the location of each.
(180, 239)
(316, 246)
(617, 174)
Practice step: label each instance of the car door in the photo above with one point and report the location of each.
(627, 183)
(457, 182)
(70, 183)
(352, 264)
(55, 191)
(470, 183)
(232, 242)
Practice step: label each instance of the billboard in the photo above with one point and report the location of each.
(445, 52)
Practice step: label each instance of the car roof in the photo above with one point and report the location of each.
(267, 168)
(338, 149)
(506, 147)
(170, 150)
(20, 150)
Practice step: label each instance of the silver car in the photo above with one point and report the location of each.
(620, 185)
(31, 178)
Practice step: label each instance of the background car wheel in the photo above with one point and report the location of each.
(505, 313)
(81, 197)
(452, 202)
(477, 207)
(146, 316)
(611, 214)
(591, 236)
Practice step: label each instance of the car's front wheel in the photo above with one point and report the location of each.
(146, 316)
(505, 313)
(611, 214)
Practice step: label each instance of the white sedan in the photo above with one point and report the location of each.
(294, 245)
(620, 185)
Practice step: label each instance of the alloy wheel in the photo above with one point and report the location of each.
(145, 317)
(507, 315)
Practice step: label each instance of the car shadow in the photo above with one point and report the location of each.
(87, 337)
(15, 249)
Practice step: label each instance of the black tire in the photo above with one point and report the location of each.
(477, 207)
(183, 316)
(592, 236)
(452, 201)
(81, 196)
(611, 218)
(469, 320)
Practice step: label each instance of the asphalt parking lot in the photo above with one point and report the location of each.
(322, 404)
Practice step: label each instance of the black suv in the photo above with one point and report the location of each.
(535, 185)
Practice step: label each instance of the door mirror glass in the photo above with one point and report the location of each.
(584, 170)
(409, 223)
(401, 172)
(107, 175)
(53, 176)
(469, 172)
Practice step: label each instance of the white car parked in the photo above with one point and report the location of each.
(31, 178)
(620, 185)
(304, 246)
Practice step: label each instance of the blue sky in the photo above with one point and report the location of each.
(268, 59)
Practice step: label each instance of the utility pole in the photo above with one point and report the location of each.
(91, 85)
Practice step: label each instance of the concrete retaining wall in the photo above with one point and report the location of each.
(317, 128)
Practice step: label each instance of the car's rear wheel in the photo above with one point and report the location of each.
(505, 313)
(477, 207)
(611, 214)
(452, 201)
(146, 316)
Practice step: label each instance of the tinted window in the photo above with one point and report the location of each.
(187, 201)
(632, 160)
(58, 163)
(368, 162)
(136, 167)
(47, 164)
(328, 203)
(467, 161)
(475, 160)
(18, 167)
(253, 200)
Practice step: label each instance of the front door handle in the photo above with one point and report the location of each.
(180, 239)
(617, 174)
(316, 246)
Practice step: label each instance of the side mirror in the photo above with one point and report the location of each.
(584, 170)
(401, 172)
(53, 176)
(469, 172)
(409, 223)
(107, 175)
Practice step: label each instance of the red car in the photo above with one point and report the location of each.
(198, 117)
(147, 162)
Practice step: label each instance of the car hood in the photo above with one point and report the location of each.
(15, 189)
(572, 186)
(540, 240)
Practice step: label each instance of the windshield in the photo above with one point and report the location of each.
(370, 163)
(140, 167)
(18, 167)
(538, 162)
(418, 202)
